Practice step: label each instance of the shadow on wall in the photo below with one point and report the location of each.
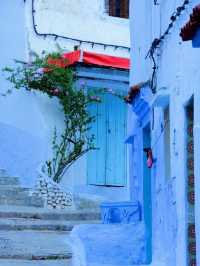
(21, 153)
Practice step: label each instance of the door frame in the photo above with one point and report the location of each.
(147, 190)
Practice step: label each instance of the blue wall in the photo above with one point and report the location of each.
(22, 143)
(12, 31)
(141, 176)
(20, 153)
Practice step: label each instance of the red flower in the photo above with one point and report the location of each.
(191, 231)
(191, 180)
(192, 248)
(190, 131)
(193, 262)
(190, 147)
(191, 164)
(191, 197)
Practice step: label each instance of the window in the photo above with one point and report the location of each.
(118, 8)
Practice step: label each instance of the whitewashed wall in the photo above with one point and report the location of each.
(179, 72)
(81, 19)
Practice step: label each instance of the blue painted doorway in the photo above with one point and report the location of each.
(147, 197)
(107, 165)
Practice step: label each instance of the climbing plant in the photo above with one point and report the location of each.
(50, 75)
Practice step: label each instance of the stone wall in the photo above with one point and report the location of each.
(55, 197)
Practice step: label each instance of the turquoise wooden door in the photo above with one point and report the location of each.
(96, 159)
(107, 165)
(147, 200)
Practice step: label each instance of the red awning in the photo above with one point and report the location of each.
(90, 58)
(66, 60)
(72, 57)
(105, 60)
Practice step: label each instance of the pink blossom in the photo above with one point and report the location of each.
(95, 98)
(110, 90)
(83, 83)
(55, 91)
(149, 162)
(40, 71)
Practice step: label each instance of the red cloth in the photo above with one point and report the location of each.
(72, 57)
(106, 60)
(66, 60)
(90, 58)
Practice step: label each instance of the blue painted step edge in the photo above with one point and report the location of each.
(120, 212)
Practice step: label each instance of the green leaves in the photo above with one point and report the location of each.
(7, 69)
(56, 81)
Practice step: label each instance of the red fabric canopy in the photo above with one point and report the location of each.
(106, 60)
(66, 60)
(90, 58)
(72, 57)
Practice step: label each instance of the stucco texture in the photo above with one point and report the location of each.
(109, 244)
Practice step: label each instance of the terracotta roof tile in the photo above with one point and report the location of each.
(134, 91)
(189, 30)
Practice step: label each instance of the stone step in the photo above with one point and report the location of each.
(34, 245)
(13, 262)
(8, 180)
(40, 225)
(35, 257)
(3, 172)
(11, 191)
(21, 200)
(114, 244)
(45, 214)
(105, 264)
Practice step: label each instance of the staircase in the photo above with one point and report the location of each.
(31, 235)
